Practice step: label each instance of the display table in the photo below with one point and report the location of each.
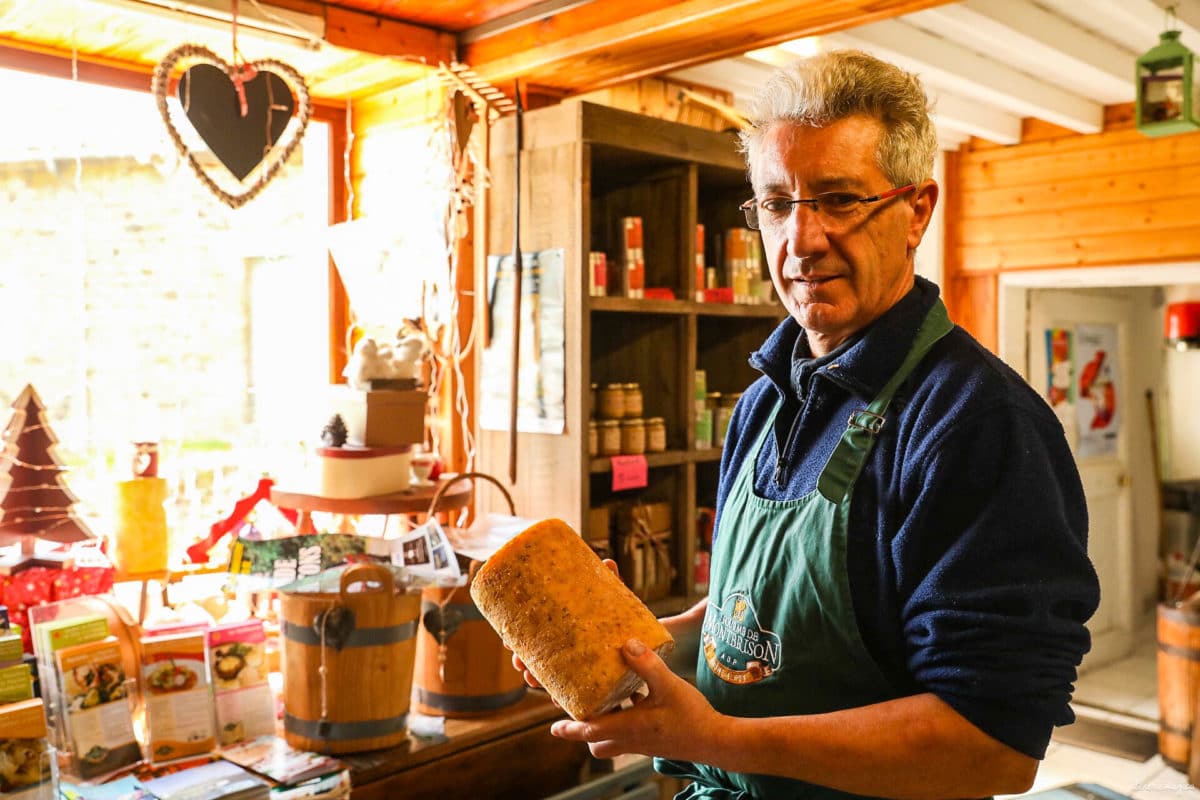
(416, 500)
(411, 501)
(509, 754)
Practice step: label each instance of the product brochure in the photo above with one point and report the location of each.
(220, 780)
(26, 760)
(274, 758)
(99, 721)
(245, 704)
(179, 702)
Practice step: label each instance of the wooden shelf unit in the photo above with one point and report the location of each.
(584, 166)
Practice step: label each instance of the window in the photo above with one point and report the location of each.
(141, 307)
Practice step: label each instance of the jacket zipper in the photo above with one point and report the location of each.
(780, 460)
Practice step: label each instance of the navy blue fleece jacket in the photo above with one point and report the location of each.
(967, 551)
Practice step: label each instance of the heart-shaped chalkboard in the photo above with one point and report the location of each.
(442, 622)
(334, 625)
(211, 101)
(253, 146)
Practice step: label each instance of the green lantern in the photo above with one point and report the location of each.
(1168, 98)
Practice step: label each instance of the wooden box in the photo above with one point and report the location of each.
(382, 417)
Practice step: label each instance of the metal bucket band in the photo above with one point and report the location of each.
(359, 637)
(1189, 653)
(344, 731)
(1172, 730)
(478, 702)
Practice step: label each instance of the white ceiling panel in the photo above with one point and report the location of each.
(987, 64)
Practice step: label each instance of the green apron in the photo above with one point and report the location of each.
(780, 637)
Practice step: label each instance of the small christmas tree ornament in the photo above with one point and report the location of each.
(37, 503)
(334, 432)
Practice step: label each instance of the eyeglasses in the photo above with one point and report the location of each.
(832, 208)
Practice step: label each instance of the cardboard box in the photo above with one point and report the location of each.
(382, 417)
(24, 720)
(16, 683)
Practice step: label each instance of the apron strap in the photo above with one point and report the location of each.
(847, 459)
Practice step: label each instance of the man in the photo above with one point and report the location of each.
(900, 577)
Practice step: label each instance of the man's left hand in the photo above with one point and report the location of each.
(670, 721)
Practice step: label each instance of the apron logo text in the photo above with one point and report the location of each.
(737, 649)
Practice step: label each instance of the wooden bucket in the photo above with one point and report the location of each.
(463, 669)
(348, 663)
(1178, 681)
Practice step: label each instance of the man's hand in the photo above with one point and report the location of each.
(670, 721)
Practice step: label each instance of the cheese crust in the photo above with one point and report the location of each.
(566, 615)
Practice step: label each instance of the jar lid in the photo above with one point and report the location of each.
(655, 421)
(594, 385)
(614, 386)
(713, 395)
(633, 386)
(609, 423)
(592, 423)
(637, 421)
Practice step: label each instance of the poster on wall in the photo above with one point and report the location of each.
(542, 379)
(1060, 390)
(1096, 410)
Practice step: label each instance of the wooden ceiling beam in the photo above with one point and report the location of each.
(600, 44)
(378, 35)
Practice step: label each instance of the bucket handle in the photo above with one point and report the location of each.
(365, 574)
(437, 496)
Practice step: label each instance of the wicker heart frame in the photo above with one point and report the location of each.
(278, 154)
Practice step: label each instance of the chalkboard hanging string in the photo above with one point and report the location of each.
(242, 71)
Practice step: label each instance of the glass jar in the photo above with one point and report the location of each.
(611, 401)
(593, 438)
(610, 437)
(633, 401)
(633, 437)
(656, 435)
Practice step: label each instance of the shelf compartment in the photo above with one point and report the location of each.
(667, 458)
(772, 311)
(723, 348)
(638, 306)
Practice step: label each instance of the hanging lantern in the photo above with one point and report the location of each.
(1167, 100)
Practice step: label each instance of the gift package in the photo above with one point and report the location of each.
(642, 543)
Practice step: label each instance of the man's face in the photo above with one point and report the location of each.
(836, 277)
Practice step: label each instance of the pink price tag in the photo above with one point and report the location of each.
(629, 472)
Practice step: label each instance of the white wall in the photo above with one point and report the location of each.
(929, 256)
(1172, 376)
(1181, 402)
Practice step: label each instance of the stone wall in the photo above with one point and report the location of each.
(138, 305)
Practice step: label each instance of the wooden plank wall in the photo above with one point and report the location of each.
(1062, 200)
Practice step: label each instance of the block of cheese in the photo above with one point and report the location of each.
(567, 616)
